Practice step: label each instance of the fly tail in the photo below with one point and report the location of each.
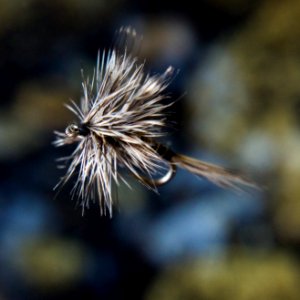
(215, 174)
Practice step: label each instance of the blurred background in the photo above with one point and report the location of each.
(238, 91)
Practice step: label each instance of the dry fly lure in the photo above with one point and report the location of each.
(120, 117)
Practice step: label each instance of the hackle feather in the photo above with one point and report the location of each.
(119, 118)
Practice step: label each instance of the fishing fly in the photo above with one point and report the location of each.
(120, 117)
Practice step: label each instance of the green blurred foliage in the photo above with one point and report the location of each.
(240, 277)
(37, 110)
(252, 88)
(68, 13)
(52, 263)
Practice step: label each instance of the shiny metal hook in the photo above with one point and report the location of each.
(162, 180)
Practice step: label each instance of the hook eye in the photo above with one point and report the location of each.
(72, 130)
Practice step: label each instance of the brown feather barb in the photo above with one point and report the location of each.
(120, 116)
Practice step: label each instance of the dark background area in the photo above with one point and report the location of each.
(238, 105)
